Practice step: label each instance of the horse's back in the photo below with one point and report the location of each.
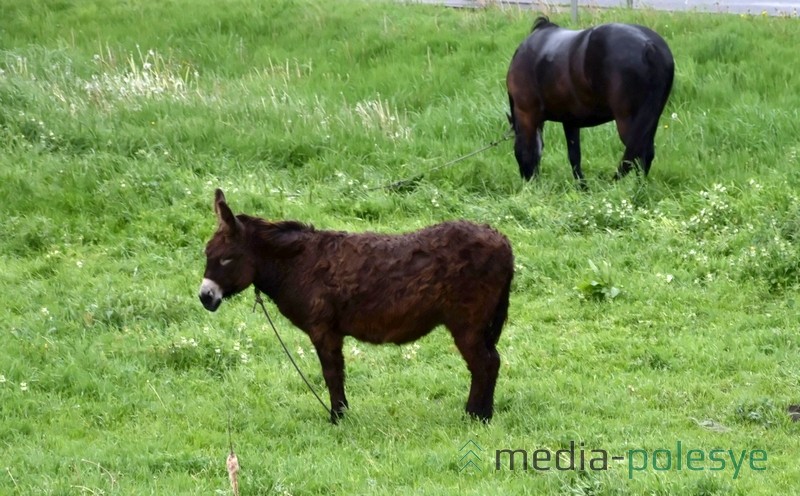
(628, 49)
(628, 64)
(538, 77)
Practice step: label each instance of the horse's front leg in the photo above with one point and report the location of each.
(329, 351)
(573, 135)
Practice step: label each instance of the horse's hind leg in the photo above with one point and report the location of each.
(630, 160)
(635, 138)
(638, 155)
(649, 153)
(483, 362)
(573, 135)
(638, 132)
(329, 351)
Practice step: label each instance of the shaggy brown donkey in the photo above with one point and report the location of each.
(376, 288)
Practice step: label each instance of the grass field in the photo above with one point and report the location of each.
(643, 313)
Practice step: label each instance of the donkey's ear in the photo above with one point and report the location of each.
(219, 196)
(227, 221)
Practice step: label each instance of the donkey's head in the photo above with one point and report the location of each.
(230, 267)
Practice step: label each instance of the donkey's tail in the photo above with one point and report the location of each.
(500, 314)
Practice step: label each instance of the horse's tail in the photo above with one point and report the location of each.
(662, 68)
(662, 71)
(662, 74)
(500, 313)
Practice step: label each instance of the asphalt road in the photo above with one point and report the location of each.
(756, 7)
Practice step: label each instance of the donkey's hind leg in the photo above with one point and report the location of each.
(483, 362)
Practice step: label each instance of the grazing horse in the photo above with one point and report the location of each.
(376, 288)
(619, 72)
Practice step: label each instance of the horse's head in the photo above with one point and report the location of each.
(230, 267)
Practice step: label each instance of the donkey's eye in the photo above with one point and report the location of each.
(225, 261)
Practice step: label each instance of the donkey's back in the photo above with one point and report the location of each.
(395, 288)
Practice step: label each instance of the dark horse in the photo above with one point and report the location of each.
(376, 288)
(619, 72)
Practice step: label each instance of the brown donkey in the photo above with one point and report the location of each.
(376, 288)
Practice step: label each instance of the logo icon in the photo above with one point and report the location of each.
(470, 459)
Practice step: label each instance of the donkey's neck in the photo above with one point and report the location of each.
(275, 246)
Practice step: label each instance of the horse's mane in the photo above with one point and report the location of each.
(283, 238)
(541, 22)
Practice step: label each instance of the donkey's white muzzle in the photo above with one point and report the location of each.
(210, 295)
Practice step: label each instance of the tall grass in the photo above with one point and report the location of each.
(118, 120)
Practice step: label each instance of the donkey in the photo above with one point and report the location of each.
(377, 288)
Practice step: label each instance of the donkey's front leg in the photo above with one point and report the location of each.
(329, 351)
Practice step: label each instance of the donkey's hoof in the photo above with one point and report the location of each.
(338, 413)
(336, 416)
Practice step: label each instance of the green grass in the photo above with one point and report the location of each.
(118, 120)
